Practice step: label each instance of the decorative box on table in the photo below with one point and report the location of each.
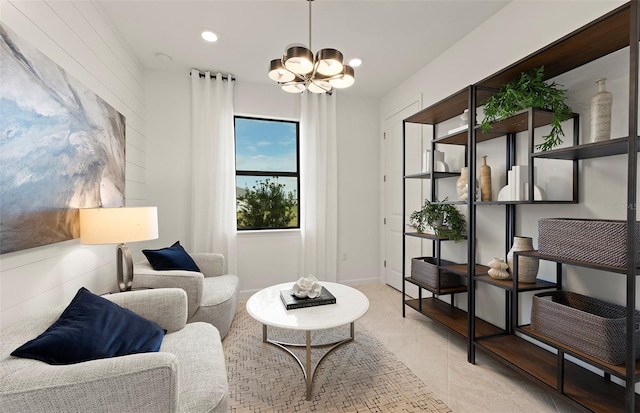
(599, 241)
(425, 270)
(588, 324)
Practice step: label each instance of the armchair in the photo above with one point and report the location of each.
(212, 295)
(188, 374)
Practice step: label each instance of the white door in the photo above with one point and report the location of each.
(392, 191)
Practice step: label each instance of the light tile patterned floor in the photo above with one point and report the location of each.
(439, 358)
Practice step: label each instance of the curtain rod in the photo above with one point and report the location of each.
(212, 76)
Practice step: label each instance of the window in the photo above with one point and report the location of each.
(267, 173)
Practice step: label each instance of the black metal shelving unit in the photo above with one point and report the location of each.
(515, 345)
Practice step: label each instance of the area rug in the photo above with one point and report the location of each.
(360, 376)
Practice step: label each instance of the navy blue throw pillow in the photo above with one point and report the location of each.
(91, 328)
(171, 258)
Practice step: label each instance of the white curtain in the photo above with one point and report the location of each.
(213, 197)
(319, 192)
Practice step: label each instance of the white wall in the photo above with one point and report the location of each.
(267, 257)
(500, 41)
(78, 38)
(359, 257)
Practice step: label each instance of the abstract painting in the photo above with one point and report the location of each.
(61, 148)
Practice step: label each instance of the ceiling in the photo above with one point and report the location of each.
(393, 38)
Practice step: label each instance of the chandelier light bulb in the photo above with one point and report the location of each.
(329, 62)
(345, 80)
(278, 73)
(294, 87)
(299, 60)
(319, 86)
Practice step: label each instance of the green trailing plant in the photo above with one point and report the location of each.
(445, 220)
(530, 90)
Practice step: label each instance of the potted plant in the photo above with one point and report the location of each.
(445, 220)
(529, 90)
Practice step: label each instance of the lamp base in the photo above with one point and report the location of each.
(123, 252)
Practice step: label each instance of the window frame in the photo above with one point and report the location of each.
(270, 174)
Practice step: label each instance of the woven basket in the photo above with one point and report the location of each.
(425, 270)
(598, 241)
(590, 325)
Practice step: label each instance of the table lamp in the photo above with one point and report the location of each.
(119, 226)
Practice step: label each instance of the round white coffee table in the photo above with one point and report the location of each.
(266, 307)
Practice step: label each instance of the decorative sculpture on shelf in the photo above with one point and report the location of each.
(307, 287)
(498, 269)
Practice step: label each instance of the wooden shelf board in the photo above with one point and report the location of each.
(463, 269)
(609, 268)
(612, 147)
(601, 37)
(458, 138)
(451, 317)
(616, 370)
(546, 201)
(519, 122)
(581, 385)
(427, 235)
(447, 108)
(436, 175)
(441, 291)
(508, 284)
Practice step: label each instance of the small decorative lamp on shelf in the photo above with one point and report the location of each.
(119, 226)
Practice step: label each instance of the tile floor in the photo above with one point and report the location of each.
(439, 358)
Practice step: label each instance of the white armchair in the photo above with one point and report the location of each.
(188, 374)
(212, 295)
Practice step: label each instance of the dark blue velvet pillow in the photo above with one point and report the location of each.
(171, 258)
(91, 328)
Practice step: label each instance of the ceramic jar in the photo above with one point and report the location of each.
(498, 269)
(527, 266)
(601, 113)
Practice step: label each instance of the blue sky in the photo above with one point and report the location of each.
(265, 145)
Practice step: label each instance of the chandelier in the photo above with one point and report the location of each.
(297, 70)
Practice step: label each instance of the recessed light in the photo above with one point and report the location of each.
(355, 62)
(209, 36)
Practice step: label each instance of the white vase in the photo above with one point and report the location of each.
(601, 113)
(527, 266)
(461, 185)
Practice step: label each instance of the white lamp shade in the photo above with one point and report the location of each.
(299, 60)
(329, 62)
(118, 225)
(347, 79)
(279, 73)
(319, 86)
(294, 87)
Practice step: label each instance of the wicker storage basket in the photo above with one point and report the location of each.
(599, 241)
(590, 325)
(425, 270)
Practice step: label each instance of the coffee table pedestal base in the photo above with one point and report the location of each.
(308, 370)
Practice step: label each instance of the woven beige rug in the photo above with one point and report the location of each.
(360, 376)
